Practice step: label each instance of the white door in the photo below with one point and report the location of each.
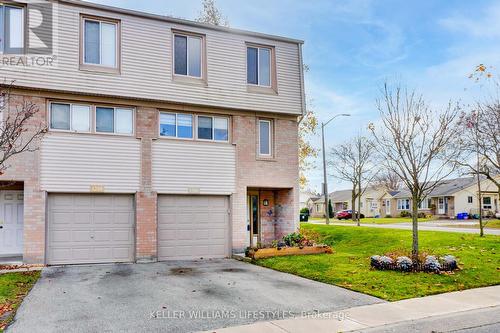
(11, 222)
(90, 228)
(388, 207)
(193, 227)
(441, 205)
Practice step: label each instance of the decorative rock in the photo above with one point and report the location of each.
(450, 261)
(404, 263)
(375, 261)
(431, 264)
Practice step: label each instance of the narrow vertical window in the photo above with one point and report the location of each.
(11, 29)
(104, 120)
(124, 119)
(184, 126)
(265, 137)
(100, 43)
(220, 129)
(188, 55)
(60, 116)
(80, 118)
(259, 66)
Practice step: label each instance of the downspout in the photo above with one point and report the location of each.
(302, 88)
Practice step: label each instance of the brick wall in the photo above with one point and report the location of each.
(146, 199)
(25, 167)
(253, 172)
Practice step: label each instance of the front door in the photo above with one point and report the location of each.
(388, 207)
(11, 222)
(253, 218)
(441, 205)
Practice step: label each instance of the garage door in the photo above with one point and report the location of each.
(90, 228)
(191, 227)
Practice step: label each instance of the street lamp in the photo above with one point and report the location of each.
(325, 184)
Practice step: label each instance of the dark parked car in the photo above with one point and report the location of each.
(347, 215)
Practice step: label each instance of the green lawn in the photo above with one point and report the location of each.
(349, 265)
(381, 220)
(492, 224)
(13, 288)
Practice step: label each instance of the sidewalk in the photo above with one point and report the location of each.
(382, 314)
(428, 226)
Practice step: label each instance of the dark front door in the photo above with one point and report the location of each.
(253, 216)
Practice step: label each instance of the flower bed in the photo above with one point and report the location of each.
(291, 244)
(431, 264)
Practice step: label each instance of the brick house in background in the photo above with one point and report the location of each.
(168, 139)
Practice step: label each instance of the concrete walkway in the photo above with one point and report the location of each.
(431, 226)
(395, 316)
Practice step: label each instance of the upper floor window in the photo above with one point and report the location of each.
(70, 117)
(469, 199)
(259, 66)
(213, 128)
(265, 137)
(100, 42)
(188, 55)
(114, 120)
(177, 125)
(11, 29)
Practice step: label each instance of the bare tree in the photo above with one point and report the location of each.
(211, 14)
(480, 147)
(416, 143)
(387, 180)
(19, 132)
(352, 161)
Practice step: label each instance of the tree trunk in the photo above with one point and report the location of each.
(480, 200)
(358, 214)
(414, 217)
(353, 203)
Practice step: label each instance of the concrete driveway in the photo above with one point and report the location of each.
(171, 297)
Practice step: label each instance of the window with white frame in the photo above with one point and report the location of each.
(265, 137)
(213, 128)
(487, 203)
(424, 204)
(176, 125)
(114, 120)
(100, 42)
(259, 65)
(403, 204)
(469, 199)
(188, 55)
(70, 117)
(11, 29)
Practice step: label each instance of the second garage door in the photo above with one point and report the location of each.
(90, 228)
(192, 227)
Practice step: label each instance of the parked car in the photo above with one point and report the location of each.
(347, 214)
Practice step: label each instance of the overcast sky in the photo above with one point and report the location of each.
(352, 47)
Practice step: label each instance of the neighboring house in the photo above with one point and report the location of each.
(168, 139)
(341, 200)
(450, 197)
(304, 196)
(316, 206)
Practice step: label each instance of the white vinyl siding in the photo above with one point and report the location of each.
(184, 167)
(72, 163)
(146, 68)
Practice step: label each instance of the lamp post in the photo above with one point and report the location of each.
(325, 184)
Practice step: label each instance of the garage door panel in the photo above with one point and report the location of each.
(191, 227)
(90, 228)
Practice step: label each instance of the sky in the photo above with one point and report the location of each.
(353, 47)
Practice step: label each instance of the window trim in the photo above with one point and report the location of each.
(485, 205)
(213, 128)
(203, 65)
(258, 88)
(114, 107)
(99, 67)
(176, 137)
(470, 199)
(270, 137)
(24, 27)
(49, 117)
